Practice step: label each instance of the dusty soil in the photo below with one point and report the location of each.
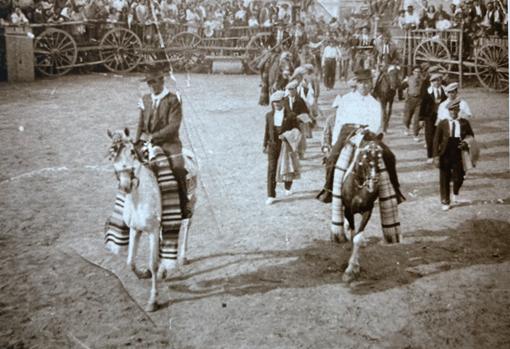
(258, 276)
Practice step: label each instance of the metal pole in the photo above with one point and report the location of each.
(461, 51)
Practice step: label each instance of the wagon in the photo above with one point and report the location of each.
(486, 58)
(120, 48)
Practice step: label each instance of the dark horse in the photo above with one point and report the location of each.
(357, 185)
(385, 88)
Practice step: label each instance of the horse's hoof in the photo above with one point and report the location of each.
(152, 306)
(162, 274)
(348, 277)
(143, 274)
(338, 238)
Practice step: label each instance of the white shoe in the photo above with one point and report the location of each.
(430, 161)
(417, 139)
(269, 201)
(445, 207)
(288, 192)
(406, 132)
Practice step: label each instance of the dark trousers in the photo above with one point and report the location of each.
(180, 172)
(412, 108)
(450, 169)
(329, 72)
(273, 154)
(430, 129)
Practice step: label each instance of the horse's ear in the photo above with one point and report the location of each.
(109, 133)
(126, 131)
(380, 136)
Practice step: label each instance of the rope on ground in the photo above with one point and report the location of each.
(118, 279)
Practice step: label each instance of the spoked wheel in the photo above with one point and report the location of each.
(120, 50)
(434, 52)
(256, 52)
(55, 52)
(491, 65)
(185, 52)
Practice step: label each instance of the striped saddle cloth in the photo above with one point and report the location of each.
(117, 232)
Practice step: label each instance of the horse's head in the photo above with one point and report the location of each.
(366, 166)
(125, 160)
(393, 76)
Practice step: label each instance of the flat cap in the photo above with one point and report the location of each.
(292, 85)
(436, 76)
(452, 87)
(455, 104)
(277, 96)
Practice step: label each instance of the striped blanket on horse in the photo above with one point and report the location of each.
(117, 232)
(388, 205)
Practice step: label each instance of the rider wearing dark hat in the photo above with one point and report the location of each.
(159, 123)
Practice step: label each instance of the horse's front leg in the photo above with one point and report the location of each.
(153, 264)
(134, 240)
(353, 269)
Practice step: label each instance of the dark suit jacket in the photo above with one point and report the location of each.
(393, 54)
(443, 134)
(272, 42)
(271, 139)
(298, 107)
(428, 108)
(163, 123)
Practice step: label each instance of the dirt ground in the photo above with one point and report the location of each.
(258, 276)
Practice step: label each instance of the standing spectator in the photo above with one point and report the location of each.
(401, 19)
(414, 85)
(344, 60)
(428, 111)
(443, 23)
(448, 145)
(18, 17)
(429, 20)
(299, 37)
(412, 21)
(278, 121)
(329, 61)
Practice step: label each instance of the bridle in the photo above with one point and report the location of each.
(115, 150)
(371, 179)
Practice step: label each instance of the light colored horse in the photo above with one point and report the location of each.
(142, 206)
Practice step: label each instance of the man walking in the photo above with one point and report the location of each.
(428, 111)
(278, 121)
(414, 84)
(448, 146)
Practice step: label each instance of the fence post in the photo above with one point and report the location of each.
(461, 51)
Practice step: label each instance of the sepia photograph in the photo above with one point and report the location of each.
(254, 174)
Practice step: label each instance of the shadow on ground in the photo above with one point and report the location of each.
(382, 266)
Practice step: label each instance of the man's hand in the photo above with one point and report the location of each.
(463, 145)
(140, 104)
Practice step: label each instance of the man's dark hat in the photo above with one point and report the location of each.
(363, 74)
(154, 73)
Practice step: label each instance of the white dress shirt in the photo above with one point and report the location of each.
(278, 117)
(357, 109)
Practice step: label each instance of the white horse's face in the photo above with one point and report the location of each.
(124, 165)
(124, 158)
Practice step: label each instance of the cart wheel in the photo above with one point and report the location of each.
(434, 52)
(184, 51)
(120, 50)
(491, 65)
(55, 52)
(255, 52)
